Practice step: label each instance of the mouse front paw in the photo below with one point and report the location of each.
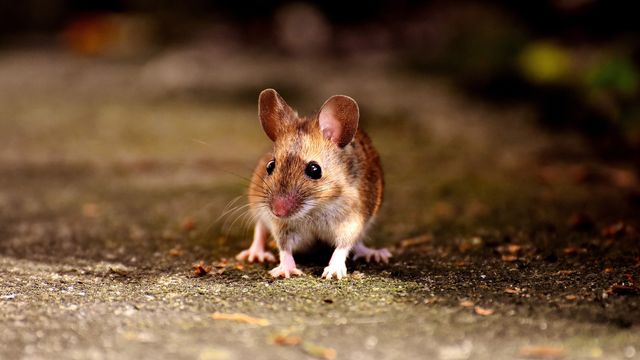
(285, 271)
(337, 269)
(252, 255)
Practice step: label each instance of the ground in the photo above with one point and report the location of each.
(117, 177)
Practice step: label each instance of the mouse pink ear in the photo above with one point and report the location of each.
(338, 119)
(272, 111)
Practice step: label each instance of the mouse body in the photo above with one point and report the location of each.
(322, 181)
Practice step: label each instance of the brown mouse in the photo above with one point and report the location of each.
(323, 180)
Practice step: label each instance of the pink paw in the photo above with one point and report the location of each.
(379, 255)
(252, 255)
(285, 271)
(337, 269)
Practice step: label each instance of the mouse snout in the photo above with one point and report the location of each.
(284, 205)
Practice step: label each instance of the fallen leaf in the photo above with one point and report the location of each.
(509, 252)
(201, 269)
(620, 289)
(418, 240)
(541, 352)
(476, 209)
(580, 222)
(213, 354)
(482, 311)
(513, 291)
(222, 263)
(240, 318)
(188, 224)
(565, 272)
(443, 210)
(608, 270)
(571, 297)
(630, 278)
(574, 250)
(618, 230)
(466, 303)
(239, 266)
(176, 251)
(286, 340)
(90, 210)
(468, 244)
(623, 178)
(319, 351)
(514, 248)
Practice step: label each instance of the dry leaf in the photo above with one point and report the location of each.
(514, 248)
(623, 178)
(468, 244)
(286, 340)
(514, 291)
(620, 289)
(240, 318)
(221, 264)
(176, 251)
(319, 351)
(201, 269)
(580, 222)
(482, 311)
(188, 224)
(541, 352)
(571, 297)
(565, 272)
(418, 240)
(509, 252)
(443, 210)
(574, 250)
(618, 230)
(90, 210)
(466, 303)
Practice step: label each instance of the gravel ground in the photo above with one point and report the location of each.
(115, 178)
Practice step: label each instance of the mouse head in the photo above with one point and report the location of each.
(310, 155)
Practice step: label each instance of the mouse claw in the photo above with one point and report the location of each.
(252, 255)
(285, 272)
(339, 271)
(379, 255)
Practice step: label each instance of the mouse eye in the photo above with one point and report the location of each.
(271, 165)
(313, 170)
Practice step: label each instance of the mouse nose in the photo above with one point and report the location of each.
(284, 205)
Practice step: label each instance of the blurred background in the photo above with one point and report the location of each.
(575, 62)
(165, 93)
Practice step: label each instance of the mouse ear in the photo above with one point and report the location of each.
(338, 119)
(272, 111)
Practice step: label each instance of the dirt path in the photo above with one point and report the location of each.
(113, 175)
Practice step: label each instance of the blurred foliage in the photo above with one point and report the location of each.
(616, 74)
(544, 62)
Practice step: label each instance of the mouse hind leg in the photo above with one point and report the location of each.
(361, 251)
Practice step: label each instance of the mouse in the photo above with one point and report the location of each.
(321, 181)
